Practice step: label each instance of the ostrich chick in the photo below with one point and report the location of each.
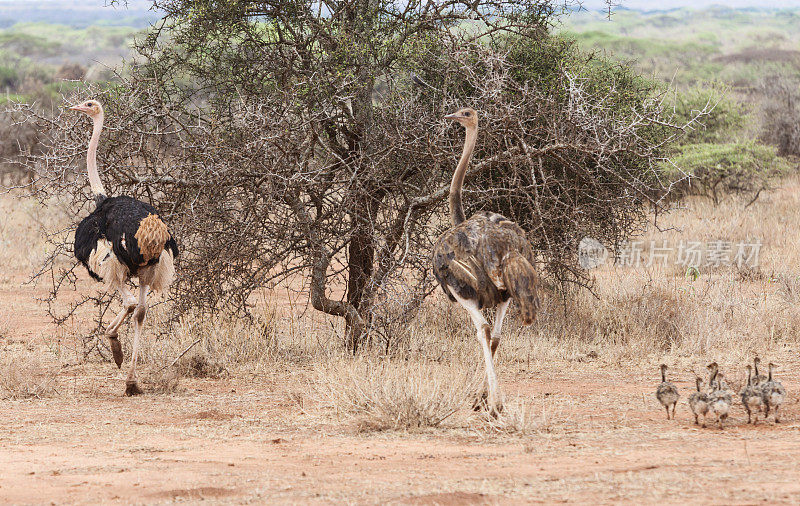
(720, 399)
(667, 393)
(751, 397)
(772, 394)
(698, 402)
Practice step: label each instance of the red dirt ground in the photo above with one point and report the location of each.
(245, 439)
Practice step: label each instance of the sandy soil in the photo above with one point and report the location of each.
(250, 440)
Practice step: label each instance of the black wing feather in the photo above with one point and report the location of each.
(116, 219)
(90, 230)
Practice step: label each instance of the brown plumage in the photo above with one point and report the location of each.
(484, 262)
(667, 393)
(772, 395)
(698, 402)
(720, 398)
(751, 397)
(487, 258)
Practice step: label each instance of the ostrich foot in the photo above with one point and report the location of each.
(116, 350)
(495, 409)
(131, 388)
(479, 404)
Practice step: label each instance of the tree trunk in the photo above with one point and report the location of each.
(361, 250)
(360, 266)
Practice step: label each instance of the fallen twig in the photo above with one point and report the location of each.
(179, 356)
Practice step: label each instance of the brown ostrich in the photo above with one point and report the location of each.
(484, 262)
(123, 238)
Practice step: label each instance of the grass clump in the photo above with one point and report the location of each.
(161, 381)
(23, 378)
(394, 395)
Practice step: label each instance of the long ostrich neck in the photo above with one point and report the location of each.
(663, 375)
(456, 206)
(91, 157)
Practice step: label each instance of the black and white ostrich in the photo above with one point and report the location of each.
(484, 262)
(123, 238)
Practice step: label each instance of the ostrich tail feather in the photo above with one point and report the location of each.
(151, 237)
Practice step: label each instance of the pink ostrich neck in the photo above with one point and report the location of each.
(91, 156)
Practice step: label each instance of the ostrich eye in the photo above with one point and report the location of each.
(90, 104)
(466, 114)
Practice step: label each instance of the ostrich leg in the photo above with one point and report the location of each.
(484, 334)
(112, 331)
(499, 316)
(131, 387)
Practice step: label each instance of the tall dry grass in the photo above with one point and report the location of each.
(23, 376)
(392, 394)
(23, 221)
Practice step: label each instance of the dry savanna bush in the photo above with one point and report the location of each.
(378, 394)
(271, 164)
(780, 117)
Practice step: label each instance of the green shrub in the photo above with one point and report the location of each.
(726, 120)
(717, 169)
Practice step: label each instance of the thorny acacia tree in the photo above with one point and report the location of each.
(292, 137)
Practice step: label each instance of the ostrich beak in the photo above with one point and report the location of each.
(79, 108)
(452, 116)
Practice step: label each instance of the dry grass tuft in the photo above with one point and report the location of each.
(200, 365)
(391, 395)
(157, 381)
(526, 416)
(23, 378)
(203, 347)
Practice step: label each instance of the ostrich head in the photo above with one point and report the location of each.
(91, 108)
(466, 116)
